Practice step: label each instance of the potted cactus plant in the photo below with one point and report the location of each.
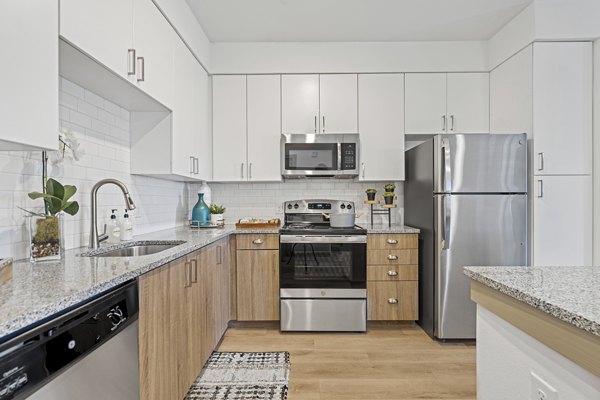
(388, 197)
(46, 231)
(216, 214)
(371, 194)
(389, 188)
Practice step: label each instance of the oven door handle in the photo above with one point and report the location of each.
(323, 239)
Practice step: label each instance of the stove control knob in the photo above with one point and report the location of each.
(296, 206)
(342, 206)
(349, 207)
(289, 206)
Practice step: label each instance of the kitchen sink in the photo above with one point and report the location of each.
(135, 249)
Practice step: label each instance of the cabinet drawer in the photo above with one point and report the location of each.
(251, 241)
(392, 273)
(392, 257)
(392, 301)
(392, 241)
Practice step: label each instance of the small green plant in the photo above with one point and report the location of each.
(389, 187)
(388, 194)
(216, 209)
(371, 191)
(56, 199)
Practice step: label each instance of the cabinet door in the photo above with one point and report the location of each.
(29, 75)
(562, 220)
(164, 325)
(204, 151)
(264, 127)
(229, 128)
(425, 103)
(562, 108)
(468, 102)
(101, 28)
(338, 99)
(300, 103)
(511, 91)
(187, 120)
(154, 41)
(381, 126)
(258, 285)
(223, 284)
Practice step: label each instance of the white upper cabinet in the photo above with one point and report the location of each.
(338, 94)
(102, 29)
(264, 127)
(447, 103)
(300, 103)
(29, 75)
(468, 102)
(381, 126)
(562, 204)
(511, 94)
(562, 109)
(229, 128)
(425, 96)
(154, 42)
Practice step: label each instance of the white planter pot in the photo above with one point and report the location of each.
(217, 219)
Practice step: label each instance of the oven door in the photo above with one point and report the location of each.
(328, 262)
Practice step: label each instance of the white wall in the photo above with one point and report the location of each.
(179, 13)
(103, 131)
(506, 356)
(514, 36)
(567, 19)
(249, 58)
(264, 200)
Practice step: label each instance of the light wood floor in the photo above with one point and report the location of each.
(390, 361)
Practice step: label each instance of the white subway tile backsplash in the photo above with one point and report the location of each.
(102, 129)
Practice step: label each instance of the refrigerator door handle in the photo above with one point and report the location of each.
(447, 167)
(446, 221)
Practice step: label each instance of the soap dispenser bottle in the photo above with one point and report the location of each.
(113, 230)
(126, 228)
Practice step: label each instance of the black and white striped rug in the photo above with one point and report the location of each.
(242, 376)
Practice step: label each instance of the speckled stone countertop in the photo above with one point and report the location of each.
(571, 294)
(385, 228)
(38, 291)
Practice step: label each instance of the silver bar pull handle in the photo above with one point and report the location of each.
(540, 161)
(219, 255)
(452, 123)
(191, 164)
(130, 61)
(446, 220)
(142, 74)
(392, 301)
(443, 123)
(315, 124)
(363, 170)
(447, 167)
(392, 241)
(188, 274)
(250, 171)
(392, 257)
(197, 165)
(323, 124)
(540, 188)
(194, 263)
(242, 170)
(392, 273)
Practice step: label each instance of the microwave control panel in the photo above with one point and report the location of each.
(348, 155)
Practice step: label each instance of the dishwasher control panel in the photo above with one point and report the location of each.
(33, 358)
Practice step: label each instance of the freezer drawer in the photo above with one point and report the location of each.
(336, 315)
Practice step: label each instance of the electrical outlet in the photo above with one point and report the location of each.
(541, 390)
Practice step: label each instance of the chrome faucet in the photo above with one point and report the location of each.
(95, 239)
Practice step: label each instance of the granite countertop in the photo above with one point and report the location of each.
(385, 228)
(38, 291)
(571, 294)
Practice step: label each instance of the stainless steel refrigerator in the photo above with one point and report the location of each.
(468, 195)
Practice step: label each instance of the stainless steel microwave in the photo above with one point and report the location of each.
(319, 155)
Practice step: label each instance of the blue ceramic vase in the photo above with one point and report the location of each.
(200, 212)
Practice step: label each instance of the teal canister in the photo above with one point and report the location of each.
(200, 212)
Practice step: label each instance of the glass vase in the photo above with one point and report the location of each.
(46, 238)
(200, 212)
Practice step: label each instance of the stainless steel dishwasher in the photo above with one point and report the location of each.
(90, 352)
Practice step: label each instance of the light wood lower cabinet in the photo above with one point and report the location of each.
(257, 285)
(392, 277)
(184, 311)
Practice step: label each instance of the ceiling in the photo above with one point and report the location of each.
(353, 20)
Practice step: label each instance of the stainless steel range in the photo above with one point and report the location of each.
(323, 282)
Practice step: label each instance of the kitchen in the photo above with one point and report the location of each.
(158, 109)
